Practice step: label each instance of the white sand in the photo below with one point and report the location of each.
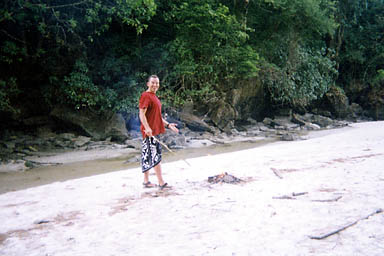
(111, 214)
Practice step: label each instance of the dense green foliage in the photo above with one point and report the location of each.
(297, 69)
(209, 48)
(361, 55)
(96, 54)
(48, 48)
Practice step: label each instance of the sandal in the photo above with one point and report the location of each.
(164, 186)
(149, 185)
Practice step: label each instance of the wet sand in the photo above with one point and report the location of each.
(13, 181)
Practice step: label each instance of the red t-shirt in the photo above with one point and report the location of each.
(150, 101)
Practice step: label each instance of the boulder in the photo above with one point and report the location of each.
(322, 121)
(356, 110)
(173, 141)
(282, 123)
(81, 141)
(13, 166)
(337, 102)
(223, 116)
(133, 122)
(268, 122)
(194, 123)
(289, 137)
(375, 100)
(297, 119)
(134, 143)
(95, 125)
(311, 126)
(248, 99)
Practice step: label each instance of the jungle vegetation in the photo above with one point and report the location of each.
(97, 54)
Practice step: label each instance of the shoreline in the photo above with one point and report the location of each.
(95, 162)
(14, 181)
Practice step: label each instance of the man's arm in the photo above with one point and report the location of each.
(171, 126)
(143, 120)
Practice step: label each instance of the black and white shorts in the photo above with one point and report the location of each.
(150, 153)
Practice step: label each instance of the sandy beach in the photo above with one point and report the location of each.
(292, 193)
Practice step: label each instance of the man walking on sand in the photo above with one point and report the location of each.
(152, 124)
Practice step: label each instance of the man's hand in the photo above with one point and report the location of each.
(148, 132)
(172, 126)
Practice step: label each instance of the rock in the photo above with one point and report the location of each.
(375, 104)
(61, 144)
(81, 141)
(307, 117)
(356, 110)
(264, 128)
(248, 99)
(252, 121)
(289, 137)
(311, 126)
(66, 136)
(133, 122)
(268, 121)
(194, 123)
(4, 150)
(337, 102)
(310, 119)
(322, 112)
(188, 107)
(95, 125)
(297, 119)
(223, 116)
(33, 149)
(13, 166)
(11, 145)
(172, 140)
(253, 132)
(322, 121)
(134, 143)
(116, 128)
(284, 123)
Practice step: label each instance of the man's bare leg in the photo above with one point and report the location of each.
(146, 177)
(159, 174)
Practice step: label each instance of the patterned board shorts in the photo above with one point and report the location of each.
(150, 153)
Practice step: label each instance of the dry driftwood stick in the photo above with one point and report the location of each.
(299, 193)
(276, 172)
(328, 200)
(42, 163)
(292, 196)
(284, 197)
(346, 226)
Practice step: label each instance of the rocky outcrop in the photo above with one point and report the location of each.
(337, 102)
(245, 100)
(223, 115)
(193, 122)
(248, 99)
(18, 151)
(95, 125)
(376, 103)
